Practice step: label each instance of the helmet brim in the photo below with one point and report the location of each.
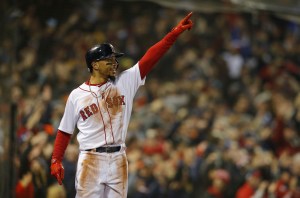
(118, 54)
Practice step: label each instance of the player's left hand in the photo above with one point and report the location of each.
(57, 170)
(185, 24)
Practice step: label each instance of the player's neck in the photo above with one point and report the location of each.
(94, 79)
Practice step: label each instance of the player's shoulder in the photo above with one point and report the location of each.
(130, 70)
(83, 87)
(78, 90)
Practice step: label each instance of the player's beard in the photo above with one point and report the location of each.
(112, 78)
(113, 74)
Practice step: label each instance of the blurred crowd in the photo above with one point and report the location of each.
(218, 117)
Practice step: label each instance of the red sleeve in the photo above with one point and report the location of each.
(61, 142)
(155, 52)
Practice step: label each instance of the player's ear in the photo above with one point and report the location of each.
(95, 65)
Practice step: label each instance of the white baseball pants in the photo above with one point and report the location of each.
(102, 175)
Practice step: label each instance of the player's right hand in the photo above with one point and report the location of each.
(185, 24)
(57, 170)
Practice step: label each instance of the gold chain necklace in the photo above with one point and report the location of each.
(102, 92)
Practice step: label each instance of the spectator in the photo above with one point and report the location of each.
(250, 187)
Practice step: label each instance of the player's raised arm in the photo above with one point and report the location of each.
(155, 52)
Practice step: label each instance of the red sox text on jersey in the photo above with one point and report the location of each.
(92, 109)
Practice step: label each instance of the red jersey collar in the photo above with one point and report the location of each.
(99, 85)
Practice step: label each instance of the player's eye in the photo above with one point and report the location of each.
(112, 63)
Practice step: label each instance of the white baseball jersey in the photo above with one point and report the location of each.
(102, 112)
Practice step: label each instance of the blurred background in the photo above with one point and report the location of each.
(218, 117)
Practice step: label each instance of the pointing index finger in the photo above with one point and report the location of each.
(188, 16)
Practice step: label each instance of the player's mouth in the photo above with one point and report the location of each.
(114, 72)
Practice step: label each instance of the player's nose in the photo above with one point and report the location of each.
(115, 64)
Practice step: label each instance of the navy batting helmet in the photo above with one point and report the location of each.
(99, 52)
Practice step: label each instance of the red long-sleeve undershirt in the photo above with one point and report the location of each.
(61, 142)
(155, 52)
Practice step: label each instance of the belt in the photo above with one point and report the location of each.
(106, 149)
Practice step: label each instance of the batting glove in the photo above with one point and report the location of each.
(57, 170)
(184, 24)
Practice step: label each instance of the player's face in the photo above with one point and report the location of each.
(108, 67)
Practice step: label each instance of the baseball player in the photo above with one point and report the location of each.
(101, 109)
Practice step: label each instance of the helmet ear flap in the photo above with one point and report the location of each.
(90, 68)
